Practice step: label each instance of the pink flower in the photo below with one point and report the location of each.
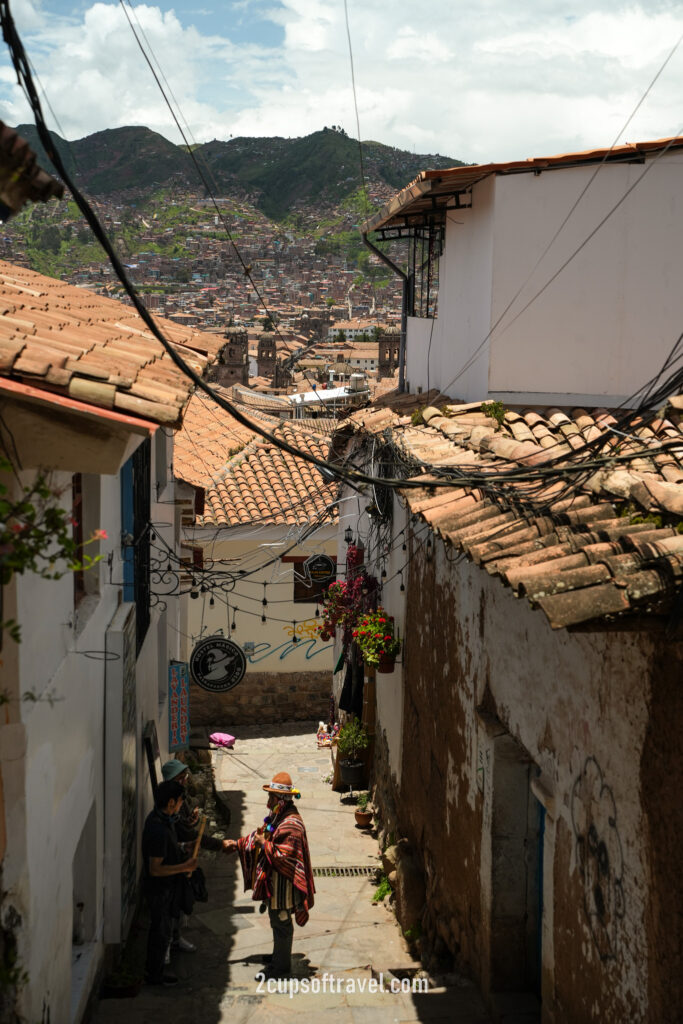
(100, 535)
(16, 528)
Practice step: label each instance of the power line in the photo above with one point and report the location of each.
(191, 152)
(493, 483)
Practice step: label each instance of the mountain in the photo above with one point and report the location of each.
(276, 174)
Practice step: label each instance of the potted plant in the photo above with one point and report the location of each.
(351, 741)
(375, 637)
(362, 814)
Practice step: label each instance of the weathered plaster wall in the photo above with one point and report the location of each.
(661, 773)
(264, 698)
(578, 704)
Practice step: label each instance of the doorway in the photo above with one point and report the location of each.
(517, 833)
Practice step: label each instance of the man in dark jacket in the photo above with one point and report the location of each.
(186, 834)
(163, 862)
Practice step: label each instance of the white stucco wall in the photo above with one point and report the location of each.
(248, 548)
(599, 330)
(58, 749)
(464, 305)
(611, 317)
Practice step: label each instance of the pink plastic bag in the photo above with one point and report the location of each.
(222, 739)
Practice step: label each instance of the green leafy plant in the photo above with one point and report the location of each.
(36, 535)
(375, 636)
(362, 801)
(352, 739)
(494, 410)
(382, 890)
(416, 417)
(413, 933)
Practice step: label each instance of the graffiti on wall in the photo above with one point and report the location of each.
(599, 856)
(302, 639)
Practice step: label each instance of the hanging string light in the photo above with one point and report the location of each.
(233, 624)
(264, 602)
(295, 638)
(402, 587)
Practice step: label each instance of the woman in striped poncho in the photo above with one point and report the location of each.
(276, 865)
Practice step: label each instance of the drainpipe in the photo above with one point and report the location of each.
(406, 301)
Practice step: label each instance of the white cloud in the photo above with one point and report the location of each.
(495, 81)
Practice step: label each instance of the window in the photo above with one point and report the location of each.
(305, 591)
(135, 518)
(85, 512)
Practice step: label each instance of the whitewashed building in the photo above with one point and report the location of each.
(88, 397)
(527, 747)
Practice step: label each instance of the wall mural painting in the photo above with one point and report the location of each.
(599, 856)
(303, 638)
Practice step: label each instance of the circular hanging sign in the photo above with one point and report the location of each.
(320, 568)
(217, 664)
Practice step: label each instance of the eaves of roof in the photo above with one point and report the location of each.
(69, 341)
(432, 190)
(611, 552)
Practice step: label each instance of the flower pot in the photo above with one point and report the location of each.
(363, 818)
(352, 773)
(387, 663)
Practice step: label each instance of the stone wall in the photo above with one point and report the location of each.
(501, 712)
(264, 697)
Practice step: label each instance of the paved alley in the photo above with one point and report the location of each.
(348, 941)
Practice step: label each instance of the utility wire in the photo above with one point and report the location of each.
(561, 226)
(355, 478)
(191, 152)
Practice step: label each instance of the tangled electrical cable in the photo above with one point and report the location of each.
(494, 483)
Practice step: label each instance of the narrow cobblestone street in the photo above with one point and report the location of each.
(347, 942)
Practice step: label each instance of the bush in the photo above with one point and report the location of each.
(352, 739)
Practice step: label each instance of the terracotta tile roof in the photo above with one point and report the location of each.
(614, 547)
(263, 484)
(208, 439)
(64, 339)
(432, 189)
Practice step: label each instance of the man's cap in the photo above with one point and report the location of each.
(172, 769)
(282, 785)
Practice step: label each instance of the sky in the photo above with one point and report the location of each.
(478, 81)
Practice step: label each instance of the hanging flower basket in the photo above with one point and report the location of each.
(376, 640)
(386, 663)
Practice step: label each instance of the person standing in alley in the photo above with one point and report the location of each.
(163, 863)
(276, 865)
(186, 834)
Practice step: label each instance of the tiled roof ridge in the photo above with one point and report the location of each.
(63, 339)
(266, 486)
(612, 548)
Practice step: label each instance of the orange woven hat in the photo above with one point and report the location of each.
(282, 785)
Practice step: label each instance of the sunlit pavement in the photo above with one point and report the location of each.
(348, 952)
